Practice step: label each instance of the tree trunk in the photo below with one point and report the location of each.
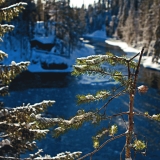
(130, 126)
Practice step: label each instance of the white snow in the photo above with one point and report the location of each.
(101, 34)
(45, 40)
(147, 63)
(50, 58)
(16, 54)
(130, 51)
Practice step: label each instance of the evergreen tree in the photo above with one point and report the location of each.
(40, 11)
(21, 126)
(95, 17)
(68, 25)
(94, 65)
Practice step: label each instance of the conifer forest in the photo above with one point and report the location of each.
(80, 80)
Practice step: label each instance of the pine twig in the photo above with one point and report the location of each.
(105, 105)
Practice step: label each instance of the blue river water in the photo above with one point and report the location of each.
(63, 88)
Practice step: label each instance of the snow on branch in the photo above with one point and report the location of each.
(100, 95)
(76, 122)
(30, 109)
(5, 28)
(64, 155)
(3, 90)
(11, 71)
(8, 13)
(3, 55)
(109, 58)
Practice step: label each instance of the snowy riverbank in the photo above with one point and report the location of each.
(130, 51)
(37, 57)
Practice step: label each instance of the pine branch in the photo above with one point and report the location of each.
(100, 95)
(10, 158)
(8, 13)
(29, 109)
(60, 156)
(114, 96)
(36, 154)
(7, 73)
(46, 122)
(76, 122)
(99, 59)
(64, 156)
(5, 142)
(151, 117)
(115, 115)
(3, 55)
(3, 90)
(5, 28)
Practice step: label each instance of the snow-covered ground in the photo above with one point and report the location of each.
(99, 34)
(50, 58)
(130, 51)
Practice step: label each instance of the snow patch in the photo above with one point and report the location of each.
(98, 34)
(130, 51)
(38, 57)
(44, 40)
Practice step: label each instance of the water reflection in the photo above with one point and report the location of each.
(150, 77)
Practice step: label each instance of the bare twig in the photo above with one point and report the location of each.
(134, 57)
(124, 122)
(96, 150)
(116, 115)
(144, 115)
(122, 152)
(116, 95)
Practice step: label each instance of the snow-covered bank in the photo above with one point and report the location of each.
(147, 63)
(130, 51)
(50, 59)
(99, 34)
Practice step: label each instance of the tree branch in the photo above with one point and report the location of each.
(115, 115)
(96, 150)
(118, 94)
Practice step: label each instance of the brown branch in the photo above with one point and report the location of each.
(129, 72)
(131, 105)
(134, 57)
(137, 70)
(118, 94)
(96, 150)
(144, 115)
(116, 115)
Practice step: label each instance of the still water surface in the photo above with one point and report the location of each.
(63, 88)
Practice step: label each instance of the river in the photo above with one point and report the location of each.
(63, 88)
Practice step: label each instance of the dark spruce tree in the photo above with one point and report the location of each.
(67, 23)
